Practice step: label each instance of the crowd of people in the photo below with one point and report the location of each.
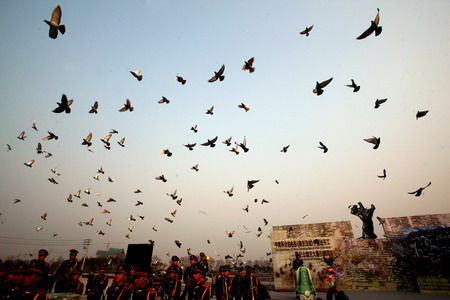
(34, 281)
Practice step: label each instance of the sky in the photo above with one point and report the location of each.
(408, 63)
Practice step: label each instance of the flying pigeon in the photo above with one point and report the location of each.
(210, 143)
(173, 195)
(243, 106)
(248, 65)
(227, 141)
(230, 233)
(374, 140)
(44, 216)
(218, 75)
(137, 74)
(235, 149)
(285, 148)
(250, 184)
(378, 102)
(195, 167)
(243, 145)
(373, 27)
(161, 178)
(190, 146)
(87, 140)
(229, 192)
(127, 106)
(94, 108)
(307, 30)
(33, 125)
(55, 23)
(194, 128)
(50, 136)
(180, 79)
(121, 142)
(382, 176)
(210, 111)
(164, 100)
(419, 191)
(29, 163)
(421, 114)
(319, 86)
(323, 147)
(166, 152)
(178, 243)
(354, 86)
(64, 105)
(39, 148)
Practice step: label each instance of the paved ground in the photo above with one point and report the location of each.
(361, 295)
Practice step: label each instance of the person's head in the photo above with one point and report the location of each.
(198, 276)
(75, 275)
(225, 271)
(42, 254)
(120, 277)
(298, 256)
(73, 253)
(140, 279)
(250, 271)
(175, 260)
(193, 259)
(102, 269)
(31, 277)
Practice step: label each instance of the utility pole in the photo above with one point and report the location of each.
(86, 244)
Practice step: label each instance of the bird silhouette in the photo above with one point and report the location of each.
(54, 23)
(374, 140)
(109, 222)
(421, 114)
(94, 108)
(227, 141)
(323, 147)
(354, 86)
(173, 213)
(265, 222)
(210, 111)
(33, 125)
(243, 145)
(195, 167)
(251, 183)
(378, 102)
(137, 74)
(319, 86)
(243, 106)
(307, 30)
(229, 192)
(39, 149)
(285, 149)
(29, 163)
(113, 131)
(110, 179)
(382, 176)
(180, 79)
(178, 243)
(179, 201)
(173, 195)
(194, 128)
(230, 233)
(69, 199)
(52, 180)
(245, 208)
(8, 147)
(235, 149)
(44, 217)
(50, 136)
(264, 201)
(373, 27)
(64, 105)
(164, 100)
(17, 201)
(139, 203)
(166, 152)
(190, 146)
(121, 142)
(218, 75)
(161, 177)
(39, 228)
(106, 139)
(99, 232)
(210, 143)
(168, 220)
(248, 65)
(127, 106)
(419, 191)
(87, 140)
(22, 136)
(101, 171)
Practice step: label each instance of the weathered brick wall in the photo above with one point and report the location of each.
(380, 264)
(394, 226)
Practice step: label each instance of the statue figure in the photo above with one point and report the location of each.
(365, 214)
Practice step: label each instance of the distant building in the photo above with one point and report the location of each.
(111, 252)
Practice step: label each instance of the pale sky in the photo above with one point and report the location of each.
(408, 63)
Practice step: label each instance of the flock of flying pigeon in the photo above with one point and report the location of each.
(65, 106)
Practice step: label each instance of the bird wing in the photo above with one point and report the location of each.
(377, 17)
(56, 15)
(325, 83)
(366, 33)
(427, 185)
(213, 140)
(89, 137)
(221, 70)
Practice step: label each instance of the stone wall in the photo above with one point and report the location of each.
(379, 264)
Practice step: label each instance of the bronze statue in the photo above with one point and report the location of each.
(365, 214)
